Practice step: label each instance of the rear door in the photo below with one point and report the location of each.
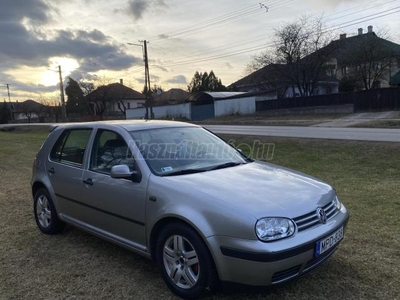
(65, 167)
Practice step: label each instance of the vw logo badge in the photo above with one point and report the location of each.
(321, 215)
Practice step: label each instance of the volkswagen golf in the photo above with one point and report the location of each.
(178, 194)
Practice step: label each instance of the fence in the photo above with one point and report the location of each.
(377, 100)
(167, 111)
(364, 101)
(320, 100)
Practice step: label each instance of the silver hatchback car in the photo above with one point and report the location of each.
(178, 194)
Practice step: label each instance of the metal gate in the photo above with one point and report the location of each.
(202, 112)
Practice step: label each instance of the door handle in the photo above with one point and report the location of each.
(51, 171)
(88, 181)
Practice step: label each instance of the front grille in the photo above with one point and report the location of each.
(284, 275)
(311, 219)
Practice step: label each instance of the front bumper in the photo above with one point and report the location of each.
(253, 262)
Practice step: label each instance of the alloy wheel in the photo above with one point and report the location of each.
(43, 211)
(181, 262)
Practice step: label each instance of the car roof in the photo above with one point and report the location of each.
(129, 125)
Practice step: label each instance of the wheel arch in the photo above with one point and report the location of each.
(36, 186)
(158, 226)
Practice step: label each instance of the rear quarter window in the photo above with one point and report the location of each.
(70, 147)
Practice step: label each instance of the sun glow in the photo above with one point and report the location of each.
(51, 77)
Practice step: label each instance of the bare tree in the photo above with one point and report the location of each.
(86, 87)
(52, 108)
(298, 54)
(27, 110)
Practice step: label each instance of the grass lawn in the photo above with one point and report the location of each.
(76, 265)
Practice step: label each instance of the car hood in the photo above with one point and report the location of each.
(260, 189)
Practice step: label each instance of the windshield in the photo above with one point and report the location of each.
(185, 150)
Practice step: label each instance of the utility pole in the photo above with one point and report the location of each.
(147, 85)
(9, 101)
(147, 82)
(63, 108)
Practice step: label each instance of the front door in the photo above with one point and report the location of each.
(115, 207)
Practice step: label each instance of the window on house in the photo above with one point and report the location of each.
(333, 73)
(129, 105)
(377, 65)
(345, 70)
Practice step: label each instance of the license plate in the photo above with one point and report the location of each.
(328, 242)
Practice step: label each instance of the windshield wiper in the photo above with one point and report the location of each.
(227, 165)
(183, 172)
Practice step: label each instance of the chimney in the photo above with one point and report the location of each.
(370, 29)
(343, 36)
(360, 31)
(121, 81)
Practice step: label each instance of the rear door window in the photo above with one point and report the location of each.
(71, 146)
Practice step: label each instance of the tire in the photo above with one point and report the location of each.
(45, 213)
(185, 262)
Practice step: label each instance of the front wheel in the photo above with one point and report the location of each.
(45, 213)
(185, 262)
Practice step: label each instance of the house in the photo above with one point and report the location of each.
(172, 96)
(365, 59)
(114, 99)
(359, 62)
(27, 111)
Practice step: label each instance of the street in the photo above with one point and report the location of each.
(356, 134)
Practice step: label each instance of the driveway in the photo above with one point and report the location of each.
(359, 118)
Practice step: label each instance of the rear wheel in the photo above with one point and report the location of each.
(184, 260)
(45, 213)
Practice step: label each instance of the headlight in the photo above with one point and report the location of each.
(337, 202)
(270, 229)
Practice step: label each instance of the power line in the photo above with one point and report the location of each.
(223, 21)
(258, 39)
(365, 9)
(252, 49)
(391, 12)
(208, 22)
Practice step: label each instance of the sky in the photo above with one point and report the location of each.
(89, 38)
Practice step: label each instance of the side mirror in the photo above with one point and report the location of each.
(123, 172)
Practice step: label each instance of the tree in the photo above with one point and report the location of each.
(51, 108)
(153, 90)
(75, 99)
(298, 54)
(4, 113)
(86, 87)
(27, 110)
(205, 82)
